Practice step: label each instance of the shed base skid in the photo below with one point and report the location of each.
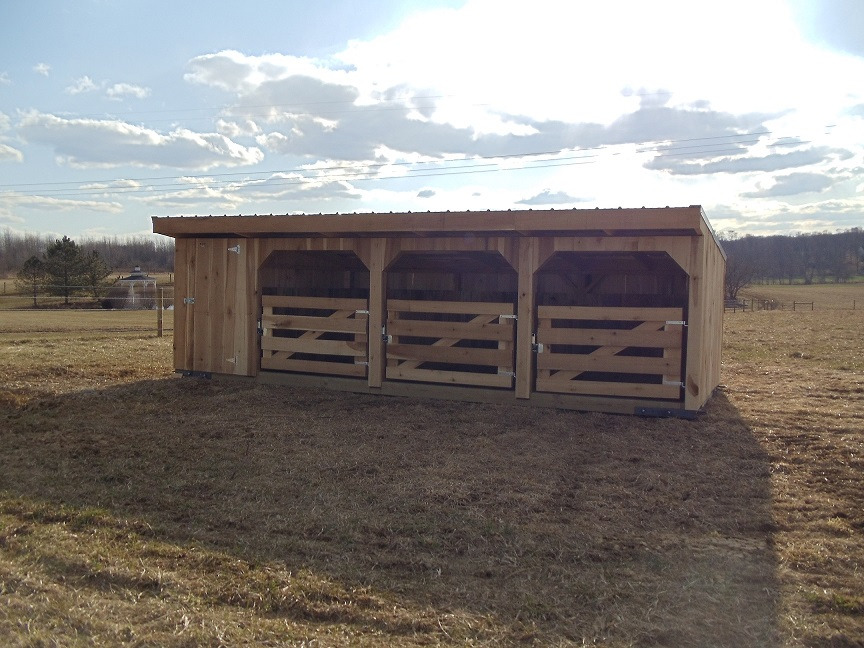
(642, 407)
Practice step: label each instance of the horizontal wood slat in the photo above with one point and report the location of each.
(281, 363)
(456, 355)
(314, 345)
(333, 303)
(623, 314)
(604, 337)
(457, 330)
(603, 388)
(461, 308)
(616, 364)
(451, 377)
(321, 324)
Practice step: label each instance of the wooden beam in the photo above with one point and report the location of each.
(611, 222)
(528, 263)
(377, 264)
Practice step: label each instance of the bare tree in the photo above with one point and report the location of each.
(739, 274)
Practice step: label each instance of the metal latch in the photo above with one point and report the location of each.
(676, 323)
(535, 346)
(673, 383)
(188, 300)
(387, 339)
(507, 316)
(260, 327)
(502, 372)
(235, 249)
(361, 312)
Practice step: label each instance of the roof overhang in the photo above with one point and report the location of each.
(661, 221)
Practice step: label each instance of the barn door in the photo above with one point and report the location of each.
(212, 314)
(321, 335)
(630, 352)
(456, 343)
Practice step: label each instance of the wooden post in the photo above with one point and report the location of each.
(160, 305)
(525, 317)
(377, 290)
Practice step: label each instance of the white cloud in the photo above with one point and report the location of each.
(84, 84)
(239, 73)
(120, 90)
(114, 184)
(549, 197)
(234, 129)
(42, 68)
(110, 143)
(48, 203)
(9, 154)
(4, 79)
(793, 184)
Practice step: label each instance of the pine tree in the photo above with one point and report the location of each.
(63, 263)
(94, 271)
(31, 277)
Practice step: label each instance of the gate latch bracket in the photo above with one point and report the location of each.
(536, 347)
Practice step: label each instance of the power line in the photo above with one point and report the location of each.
(700, 146)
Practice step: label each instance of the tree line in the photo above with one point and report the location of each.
(62, 267)
(799, 258)
(121, 254)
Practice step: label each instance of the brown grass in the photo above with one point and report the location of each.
(842, 296)
(138, 508)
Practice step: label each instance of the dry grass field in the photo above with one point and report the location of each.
(138, 508)
(823, 297)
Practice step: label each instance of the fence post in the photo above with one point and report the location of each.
(160, 305)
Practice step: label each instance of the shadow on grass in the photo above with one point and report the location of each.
(501, 523)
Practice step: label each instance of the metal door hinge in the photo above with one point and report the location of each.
(673, 383)
(189, 300)
(676, 323)
(503, 372)
(507, 316)
(235, 249)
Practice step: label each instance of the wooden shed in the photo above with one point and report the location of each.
(616, 310)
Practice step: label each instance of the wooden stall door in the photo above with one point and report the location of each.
(629, 352)
(320, 335)
(212, 314)
(457, 343)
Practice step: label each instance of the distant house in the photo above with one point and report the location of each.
(136, 291)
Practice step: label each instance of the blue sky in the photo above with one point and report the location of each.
(114, 111)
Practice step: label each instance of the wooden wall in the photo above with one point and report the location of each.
(218, 333)
(216, 306)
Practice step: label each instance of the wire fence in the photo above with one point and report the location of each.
(753, 305)
(137, 311)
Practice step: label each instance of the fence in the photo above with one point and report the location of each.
(752, 305)
(82, 314)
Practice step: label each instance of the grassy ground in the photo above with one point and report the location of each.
(141, 509)
(844, 296)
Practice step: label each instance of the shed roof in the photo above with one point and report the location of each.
(657, 221)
